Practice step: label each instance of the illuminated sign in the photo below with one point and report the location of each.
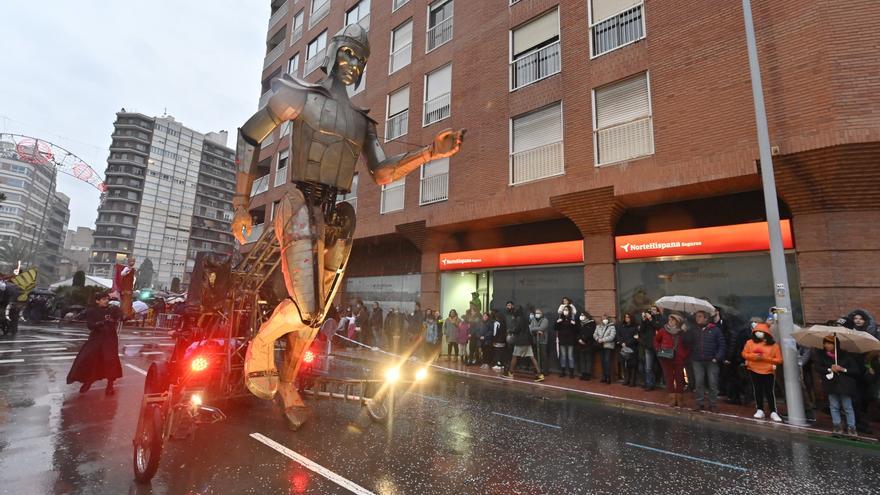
(535, 254)
(711, 240)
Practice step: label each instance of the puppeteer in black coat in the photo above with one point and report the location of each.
(98, 358)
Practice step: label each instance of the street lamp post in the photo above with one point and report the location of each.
(793, 396)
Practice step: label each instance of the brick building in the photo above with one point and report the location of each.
(595, 122)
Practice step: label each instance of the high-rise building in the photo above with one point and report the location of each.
(34, 216)
(623, 129)
(169, 196)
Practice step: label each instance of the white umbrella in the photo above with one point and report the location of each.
(139, 307)
(850, 340)
(685, 304)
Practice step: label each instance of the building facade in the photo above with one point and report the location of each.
(75, 254)
(604, 123)
(34, 216)
(169, 196)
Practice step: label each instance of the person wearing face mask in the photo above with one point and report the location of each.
(487, 330)
(566, 301)
(672, 352)
(762, 355)
(566, 332)
(605, 335)
(539, 327)
(585, 346)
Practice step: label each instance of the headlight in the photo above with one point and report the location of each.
(392, 375)
(421, 374)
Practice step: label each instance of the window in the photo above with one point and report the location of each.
(392, 196)
(281, 170)
(434, 185)
(623, 128)
(438, 86)
(352, 90)
(320, 9)
(360, 14)
(398, 4)
(536, 145)
(293, 65)
(285, 128)
(535, 50)
(397, 120)
(401, 47)
(275, 206)
(351, 196)
(439, 24)
(615, 23)
(296, 30)
(315, 52)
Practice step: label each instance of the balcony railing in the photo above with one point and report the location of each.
(398, 4)
(439, 34)
(537, 163)
(295, 34)
(625, 141)
(397, 126)
(535, 65)
(278, 15)
(365, 22)
(319, 14)
(618, 30)
(261, 185)
(313, 63)
(434, 189)
(256, 232)
(437, 109)
(392, 198)
(269, 140)
(280, 176)
(400, 59)
(273, 55)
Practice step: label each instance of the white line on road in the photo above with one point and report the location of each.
(10, 350)
(309, 464)
(3, 361)
(527, 420)
(131, 366)
(698, 459)
(60, 358)
(49, 349)
(41, 341)
(152, 353)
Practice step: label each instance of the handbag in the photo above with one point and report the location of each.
(668, 352)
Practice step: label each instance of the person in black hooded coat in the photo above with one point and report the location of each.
(98, 359)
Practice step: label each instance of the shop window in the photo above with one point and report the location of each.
(623, 125)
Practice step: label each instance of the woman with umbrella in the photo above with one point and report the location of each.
(98, 358)
(672, 353)
(839, 372)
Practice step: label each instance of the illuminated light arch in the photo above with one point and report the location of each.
(41, 152)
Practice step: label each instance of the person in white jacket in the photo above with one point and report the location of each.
(572, 308)
(605, 334)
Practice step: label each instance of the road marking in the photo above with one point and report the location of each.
(44, 341)
(131, 366)
(49, 349)
(60, 358)
(10, 350)
(151, 353)
(4, 361)
(311, 465)
(428, 397)
(698, 459)
(527, 420)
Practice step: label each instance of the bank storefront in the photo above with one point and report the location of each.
(729, 266)
(533, 276)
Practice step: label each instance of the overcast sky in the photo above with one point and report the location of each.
(69, 66)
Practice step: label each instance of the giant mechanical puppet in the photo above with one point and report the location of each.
(328, 135)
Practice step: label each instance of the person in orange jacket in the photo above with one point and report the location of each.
(762, 355)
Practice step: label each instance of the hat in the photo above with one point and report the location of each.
(677, 317)
(762, 327)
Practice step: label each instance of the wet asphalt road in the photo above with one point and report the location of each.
(448, 436)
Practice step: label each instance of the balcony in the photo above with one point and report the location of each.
(260, 186)
(617, 30)
(439, 34)
(313, 63)
(365, 22)
(437, 109)
(400, 59)
(280, 176)
(319, 14)
(278, 15)
(434, 189)
(273, 55)
(397, 126)
(535, 65)
(537, 163)
(296, 34)
(256, 232)
(625, 141)
(392, 197)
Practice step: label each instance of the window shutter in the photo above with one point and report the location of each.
(402, 36)
(603, 9)
(439, 83)
(535, 32)
(398, 101)
(435, 167)
(622, 102)
(537, 128)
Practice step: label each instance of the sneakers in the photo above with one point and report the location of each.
(484, 366)
(836, 430)
(540, 378)
(496, 367)
(507, 375)
(775, 417)
(851, 431)
(759, 414)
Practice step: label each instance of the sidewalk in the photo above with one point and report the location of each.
(618, 395)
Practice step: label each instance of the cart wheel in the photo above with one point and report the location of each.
(148, 444)
(158, 378)
(378, 407)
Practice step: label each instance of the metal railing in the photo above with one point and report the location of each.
(439, 34)
(397, 126)
(392, 198)
(278, 15)
(319, 14)
(256, 232)
(625, 141)
(617, 30)
(166, 321)
(365, 22)
(400, 59)
(537, 163)
(535, 65)
(398, 4)
(273, 55)
(260, 185)
(295, 34)
(437, 109)
(281, 176)
(434, 189)
(269, 140)
(313, 63)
